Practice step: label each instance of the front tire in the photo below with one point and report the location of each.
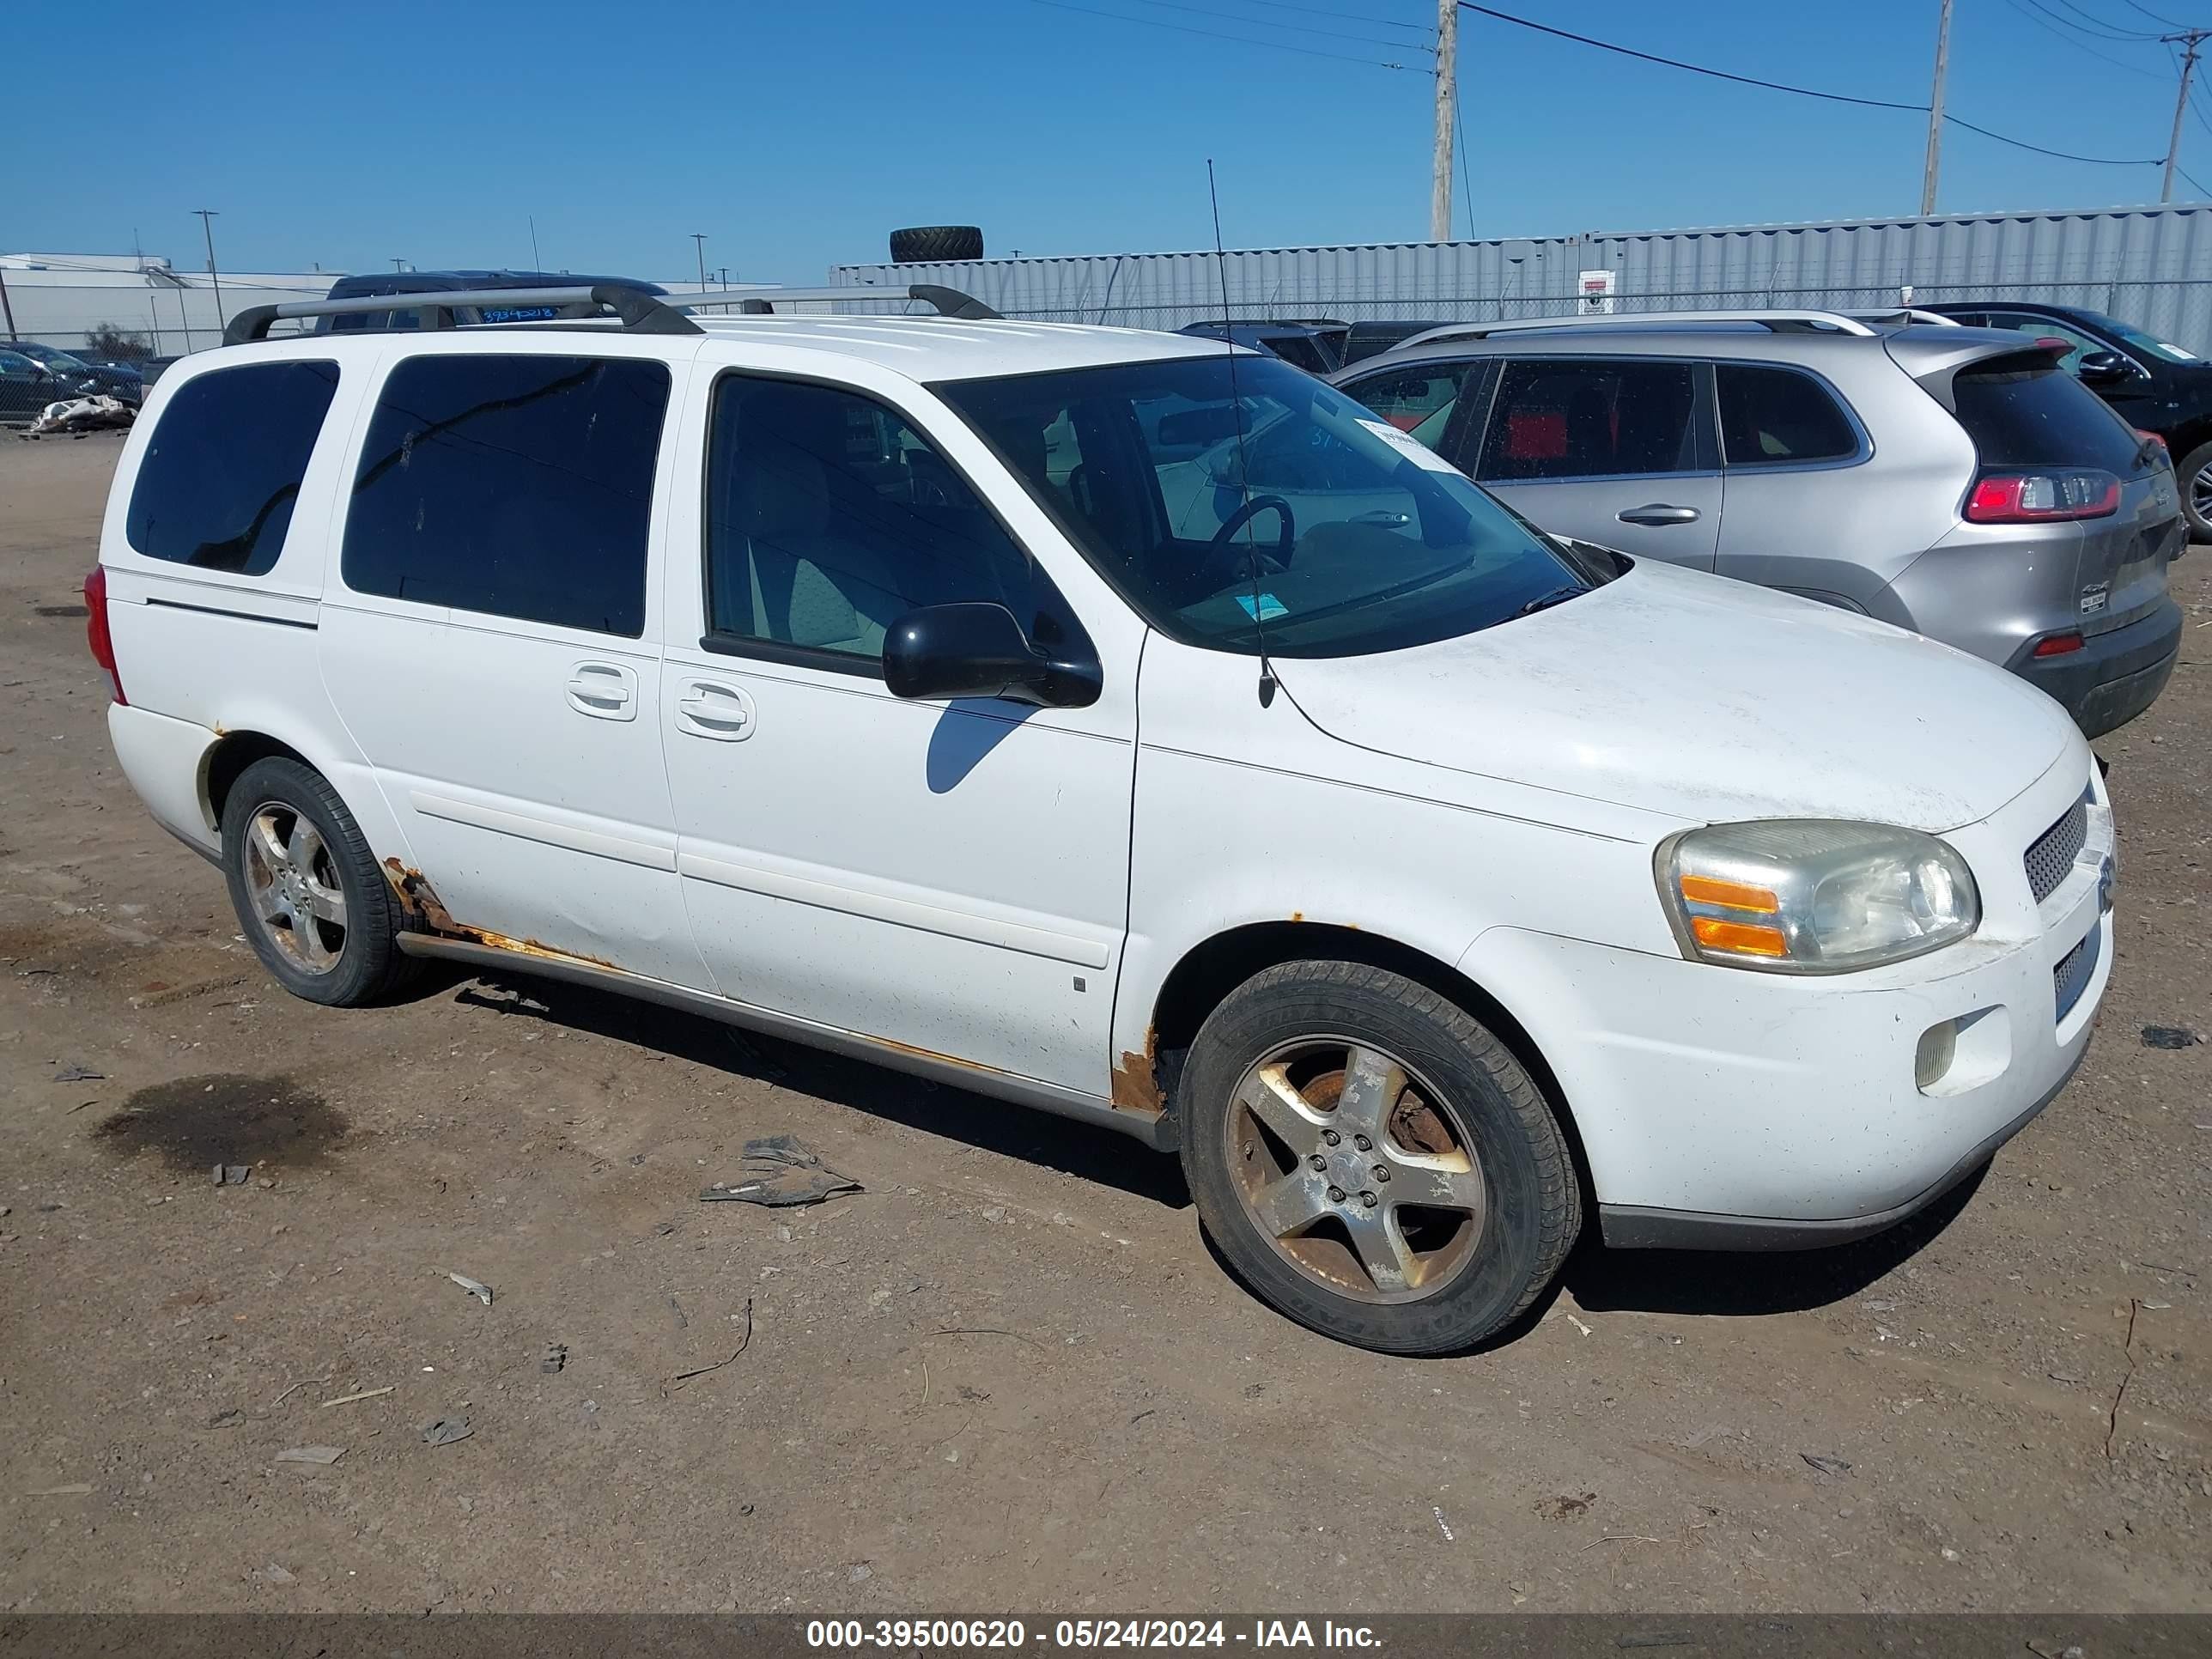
(2193, 473)
(1372, 1160)
(309, 895)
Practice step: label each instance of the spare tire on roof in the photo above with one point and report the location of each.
(930, 245)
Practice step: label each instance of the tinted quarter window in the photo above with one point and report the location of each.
(2023, 411)
(830, 515)
(216, 488)
(1777, 415)
(520, 486)
(1589, 419)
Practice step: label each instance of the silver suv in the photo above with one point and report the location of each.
(1942, 478)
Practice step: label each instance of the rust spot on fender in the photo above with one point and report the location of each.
(1137, 1079)
(421, 904)
(1297, 915)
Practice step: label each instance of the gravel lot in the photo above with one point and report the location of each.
(1009, 1376)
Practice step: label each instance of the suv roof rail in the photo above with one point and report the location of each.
(1778, 322)
(640, 311)
(763, 302)
(1904, 315)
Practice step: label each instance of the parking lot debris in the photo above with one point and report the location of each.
(555, 1357)
(232, 1175)
(781, 1172)
(474, 1287)
(273, 1574)
(230, 1417)
(322, 1454)
(2170, 1036)
(446, 1430)
(681, 1377)
(305, 1381)
(75, 1073)
(1835, 1466)
(77, 415)
(75, 1489)
(364, 1393)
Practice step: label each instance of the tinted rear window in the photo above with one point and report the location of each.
(2026, 412)
(1779, 417)
(216, 488)
(520, 486)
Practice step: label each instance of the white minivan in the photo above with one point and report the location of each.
(1427, 882)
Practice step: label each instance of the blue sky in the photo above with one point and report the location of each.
(795, 136)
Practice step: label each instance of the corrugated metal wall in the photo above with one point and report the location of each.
(2151, 266)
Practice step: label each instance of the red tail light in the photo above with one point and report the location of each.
(2057, 645)
(95, 629)
(2042, 497)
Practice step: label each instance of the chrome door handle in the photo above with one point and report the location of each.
(1658, 512)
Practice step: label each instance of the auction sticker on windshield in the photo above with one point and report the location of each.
(1412, 448)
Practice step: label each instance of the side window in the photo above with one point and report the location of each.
(2046, 328)
(1777, 417)
(518, 486)
(1590, 418)
(216, 488)
(829, 516)
(1418, 401)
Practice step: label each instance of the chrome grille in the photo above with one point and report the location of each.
(2051, 854)
(2071, 977)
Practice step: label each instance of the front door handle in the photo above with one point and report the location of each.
(1658, 512)
(723, 713)
(605, 690)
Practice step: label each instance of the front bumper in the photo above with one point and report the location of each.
(1724, 1108)
(2115, 676)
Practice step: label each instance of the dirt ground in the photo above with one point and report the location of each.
(1009, 1376)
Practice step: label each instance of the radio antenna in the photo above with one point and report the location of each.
(1243, 471)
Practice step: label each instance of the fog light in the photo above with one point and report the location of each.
(1939, 1046)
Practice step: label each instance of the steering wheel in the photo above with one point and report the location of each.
(1286, 544)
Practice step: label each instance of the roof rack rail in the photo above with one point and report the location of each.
(761, 302)
(1904, 314)
(1778, 322)
(640, 311)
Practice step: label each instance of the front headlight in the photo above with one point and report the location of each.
(1814, 896)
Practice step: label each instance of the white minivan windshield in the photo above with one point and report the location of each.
(1317, 528)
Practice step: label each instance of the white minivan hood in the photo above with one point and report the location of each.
(1677, 692)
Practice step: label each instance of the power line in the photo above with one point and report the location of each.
(2202, 194)
(2073, 45)
(1217, 34)
(2092, 24)
(2147, 12)
(1348, 16)
(1300, 28)
(1802, 92)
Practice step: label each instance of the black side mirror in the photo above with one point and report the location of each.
(979, 650)
(2104, 369)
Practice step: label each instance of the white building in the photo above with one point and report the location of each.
(60, 298)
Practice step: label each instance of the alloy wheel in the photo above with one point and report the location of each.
(1360, 1173)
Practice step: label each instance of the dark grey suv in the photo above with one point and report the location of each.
(1954, 481)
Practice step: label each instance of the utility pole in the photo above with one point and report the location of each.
(207, 216)
(1935, 113)
(399, 265)
(7, 305)
(699, 246)
(1440, 182)
(2189, 40)
(537, 261)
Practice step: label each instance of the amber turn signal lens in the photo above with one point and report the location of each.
(1744, 937)
(1736, 894)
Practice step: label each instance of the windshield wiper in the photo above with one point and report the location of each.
(1545, 601)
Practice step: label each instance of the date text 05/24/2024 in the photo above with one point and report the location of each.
(1007, 1633)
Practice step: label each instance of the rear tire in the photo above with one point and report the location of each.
(309, 895)
(2194, 476)
(1372, 1161)
(931, 245)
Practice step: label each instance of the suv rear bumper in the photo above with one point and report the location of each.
(2115, 676)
